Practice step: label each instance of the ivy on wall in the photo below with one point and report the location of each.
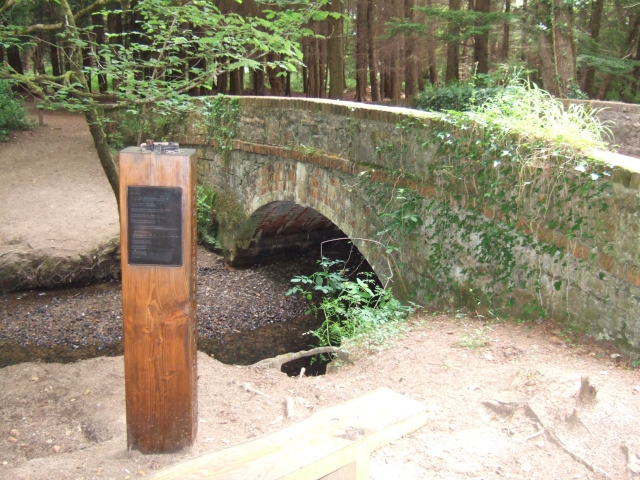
(493, 201)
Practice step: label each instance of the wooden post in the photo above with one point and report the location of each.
(158, 246)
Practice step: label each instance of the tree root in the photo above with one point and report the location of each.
(23, 268)
(277, 362)
(530, 412)
(507, 408)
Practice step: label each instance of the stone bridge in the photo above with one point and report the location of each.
(455, 214)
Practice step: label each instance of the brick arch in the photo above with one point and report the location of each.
(294, 205)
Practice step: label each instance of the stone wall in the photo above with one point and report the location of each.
(468, 221)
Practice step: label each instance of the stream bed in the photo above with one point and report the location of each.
(243, 315)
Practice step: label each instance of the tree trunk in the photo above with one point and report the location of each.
(431, 50)
(636, 72)
(396, 62)
(114, 22)
(335, 56)
(410, 70)
(564, 46)
(453, 46)
(276, 81)
(313, 88)
(38, 58)
(86, 63)
(395, 86)
(53, 56)
(258, 82)
(604, 87)
(594, 30)
(504, 54)
(14, 60)
(385, 82)
(361, 51)
(323, 66)
(91, 114)
(304, 77)
(373, 54)
(481, 41)
(545, 51)
(98, 29)
(236, 82)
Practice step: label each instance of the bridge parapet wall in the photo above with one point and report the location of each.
(475, 218)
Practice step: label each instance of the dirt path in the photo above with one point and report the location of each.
(67, 421)
(57, 210)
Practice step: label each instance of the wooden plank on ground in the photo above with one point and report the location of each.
(316, 447)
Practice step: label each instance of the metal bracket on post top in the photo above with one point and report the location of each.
(160, 147)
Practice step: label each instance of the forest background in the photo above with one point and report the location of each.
(379, 49)
(108, 54)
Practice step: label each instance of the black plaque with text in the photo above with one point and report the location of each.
(154, 223)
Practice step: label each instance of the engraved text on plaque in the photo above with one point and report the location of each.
(154, 217)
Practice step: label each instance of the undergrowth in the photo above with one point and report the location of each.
(356, 310)
(206, 218)
(13, 115)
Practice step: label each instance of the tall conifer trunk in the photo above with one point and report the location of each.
(335, 55)
(373, 54)
(410, 69)
(361, 51)
(504, 51)
(481, 41)
(588, 78)
(453, 46)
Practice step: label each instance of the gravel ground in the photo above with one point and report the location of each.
(70, 324)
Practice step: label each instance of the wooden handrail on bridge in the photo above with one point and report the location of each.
(332, 444)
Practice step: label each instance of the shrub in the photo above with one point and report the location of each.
(205, 215)
(351, 309)
(456, 96)
(13, 115)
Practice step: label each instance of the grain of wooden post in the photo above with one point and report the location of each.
(159, 297)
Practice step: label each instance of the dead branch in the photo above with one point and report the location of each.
(248, 388)
(537, 434)
(277, 362)
(530, 412)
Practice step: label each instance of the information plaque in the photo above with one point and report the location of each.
(154, 216)
(158, 232)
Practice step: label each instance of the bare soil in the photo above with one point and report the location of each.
(67, 421)
(58, 216)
